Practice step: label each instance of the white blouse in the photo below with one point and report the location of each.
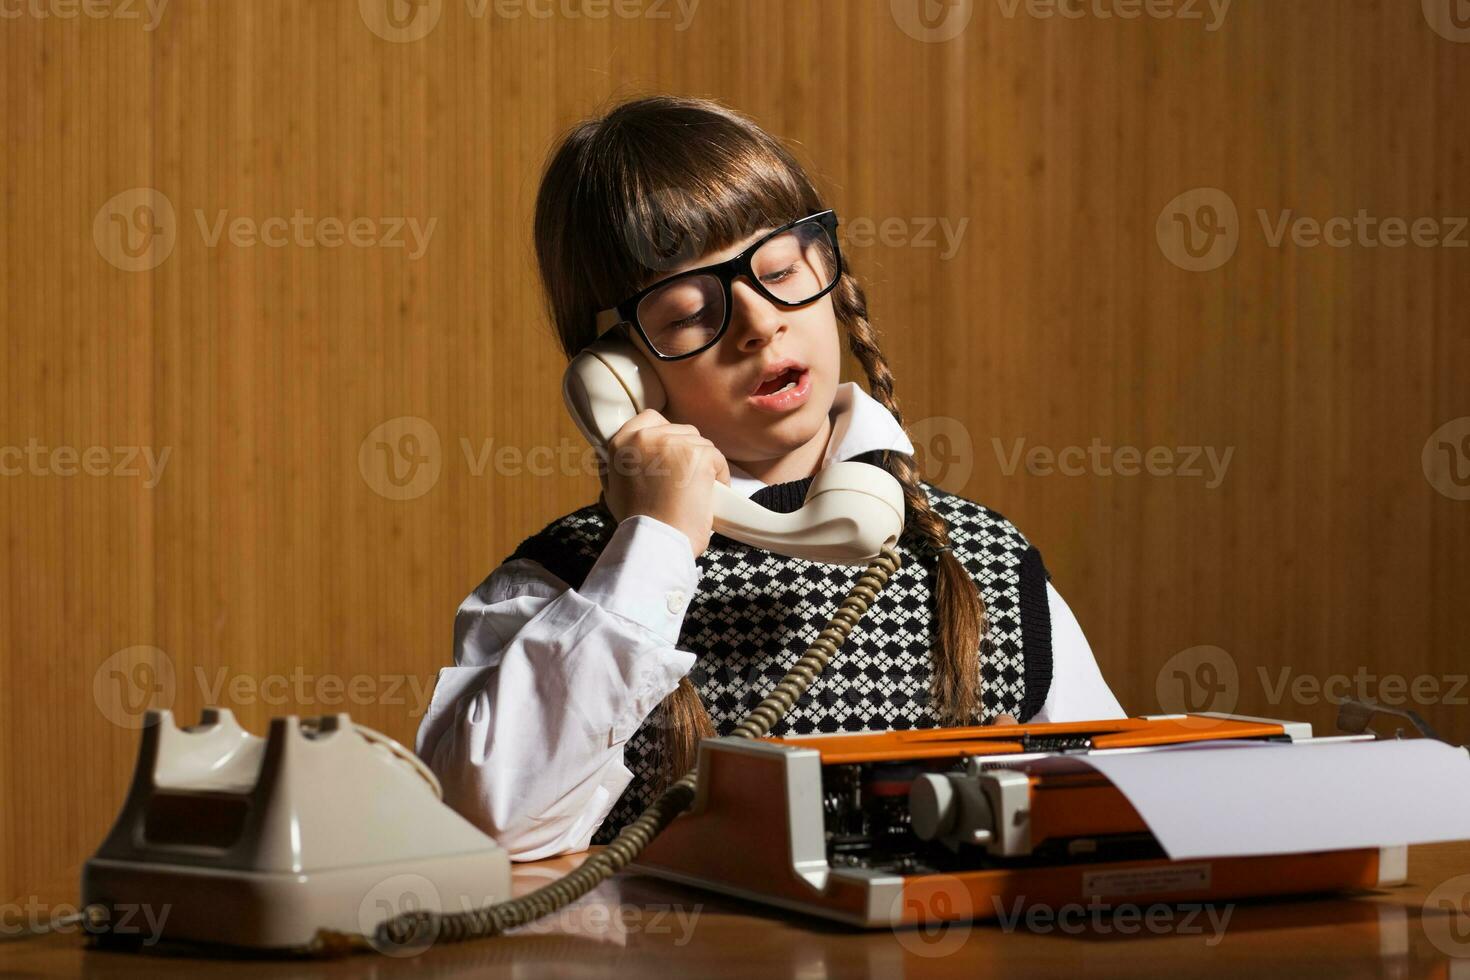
(526, 730)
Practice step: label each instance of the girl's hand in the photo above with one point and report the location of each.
(667, 472)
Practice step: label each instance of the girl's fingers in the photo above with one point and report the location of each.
(642, 420)
(722, 468)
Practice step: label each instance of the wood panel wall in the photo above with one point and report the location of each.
(272, 564)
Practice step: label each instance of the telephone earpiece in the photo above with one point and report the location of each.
(606, 385)
(852, 509)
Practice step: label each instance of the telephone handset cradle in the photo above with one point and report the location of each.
(230, 839)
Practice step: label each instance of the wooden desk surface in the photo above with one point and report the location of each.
(641, 926)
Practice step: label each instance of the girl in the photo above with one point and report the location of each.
(591, 662)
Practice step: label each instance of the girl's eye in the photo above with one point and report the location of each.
(779, 276)
(689, 320)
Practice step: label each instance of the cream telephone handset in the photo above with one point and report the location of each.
(852, 509)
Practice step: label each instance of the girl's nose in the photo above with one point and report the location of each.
(756, 320)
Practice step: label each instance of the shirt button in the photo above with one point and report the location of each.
(675, 601)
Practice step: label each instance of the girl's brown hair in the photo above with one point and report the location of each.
(660, 181)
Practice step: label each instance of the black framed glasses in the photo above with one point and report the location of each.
(689, 312)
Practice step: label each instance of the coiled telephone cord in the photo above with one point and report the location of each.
(421, 929)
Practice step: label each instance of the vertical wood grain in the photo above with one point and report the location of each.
(264, 557)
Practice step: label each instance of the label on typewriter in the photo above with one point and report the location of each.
(1140, 881)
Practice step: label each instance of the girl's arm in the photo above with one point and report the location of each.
(526, 730)
(1078, 691)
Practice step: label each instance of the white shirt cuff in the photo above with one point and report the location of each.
(646, 574)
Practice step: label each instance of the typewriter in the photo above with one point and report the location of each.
(910, 827)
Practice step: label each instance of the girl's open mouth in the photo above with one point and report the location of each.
(784, 392)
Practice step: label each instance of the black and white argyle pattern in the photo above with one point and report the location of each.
(754, 613)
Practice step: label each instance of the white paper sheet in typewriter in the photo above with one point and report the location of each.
(1282, 798)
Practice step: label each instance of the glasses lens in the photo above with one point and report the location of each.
(797, 264)
(682, 316)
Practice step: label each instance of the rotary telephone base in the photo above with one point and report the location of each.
(229, 839)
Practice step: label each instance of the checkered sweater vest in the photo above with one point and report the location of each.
(754, 614)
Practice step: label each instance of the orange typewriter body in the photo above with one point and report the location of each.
(909, 827)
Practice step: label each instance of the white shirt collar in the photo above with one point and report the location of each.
(859, 425)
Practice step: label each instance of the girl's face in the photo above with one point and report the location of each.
(732, 393)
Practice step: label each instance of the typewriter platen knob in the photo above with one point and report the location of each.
(932, 805)
(950, 808)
